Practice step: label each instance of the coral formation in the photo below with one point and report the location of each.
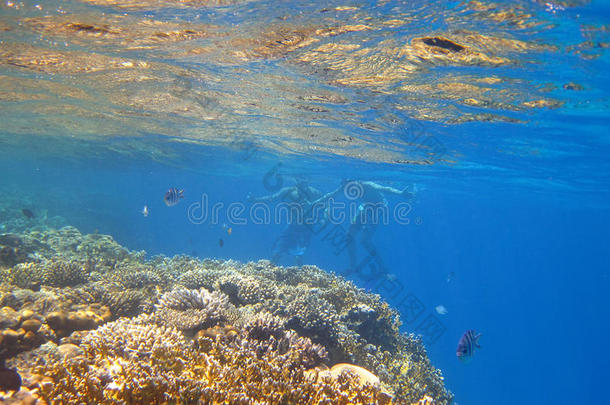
(192, 310)
(101, 322)
(245, 290)
(54, 273)
(21, 331)
(11, 250)
(263, 326)
(122, 302)
(136, 361)
(364, 376)
(79, 318)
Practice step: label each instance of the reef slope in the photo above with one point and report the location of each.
(85, 320)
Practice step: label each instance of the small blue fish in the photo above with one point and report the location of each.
(173, 196)
(468, 342)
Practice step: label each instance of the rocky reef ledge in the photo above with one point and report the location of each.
(85, 320)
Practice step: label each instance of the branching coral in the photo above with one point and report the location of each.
(266, 333)
(183, 299)
(136, 361)
(313, 316)
(234, 375)
(263, 326)
(199, 278)
(130, 276)
(122, 302)
(54, 273)
(244, 290)
(126, 361)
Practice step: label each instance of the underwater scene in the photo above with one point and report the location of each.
(322, 202)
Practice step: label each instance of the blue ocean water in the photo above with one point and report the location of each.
(510, 226)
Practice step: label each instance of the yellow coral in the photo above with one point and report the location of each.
(134, 361)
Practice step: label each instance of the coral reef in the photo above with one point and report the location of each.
(122, 302)
(11, 251)
(16, 249)
(79, 318)
(82, 316)
(137, 361)
(54, 273)
(244, 290)
(21, 331)
(263, 326)
(192, 310)
(13, 209)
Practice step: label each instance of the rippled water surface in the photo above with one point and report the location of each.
(496, 112)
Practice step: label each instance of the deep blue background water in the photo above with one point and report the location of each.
(530, 269)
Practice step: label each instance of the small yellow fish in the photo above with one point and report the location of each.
(229, 231)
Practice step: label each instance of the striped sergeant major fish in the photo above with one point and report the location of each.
(467, 344)
(173, 196)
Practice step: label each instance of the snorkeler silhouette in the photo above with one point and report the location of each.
(371, 200)
(295, 238)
